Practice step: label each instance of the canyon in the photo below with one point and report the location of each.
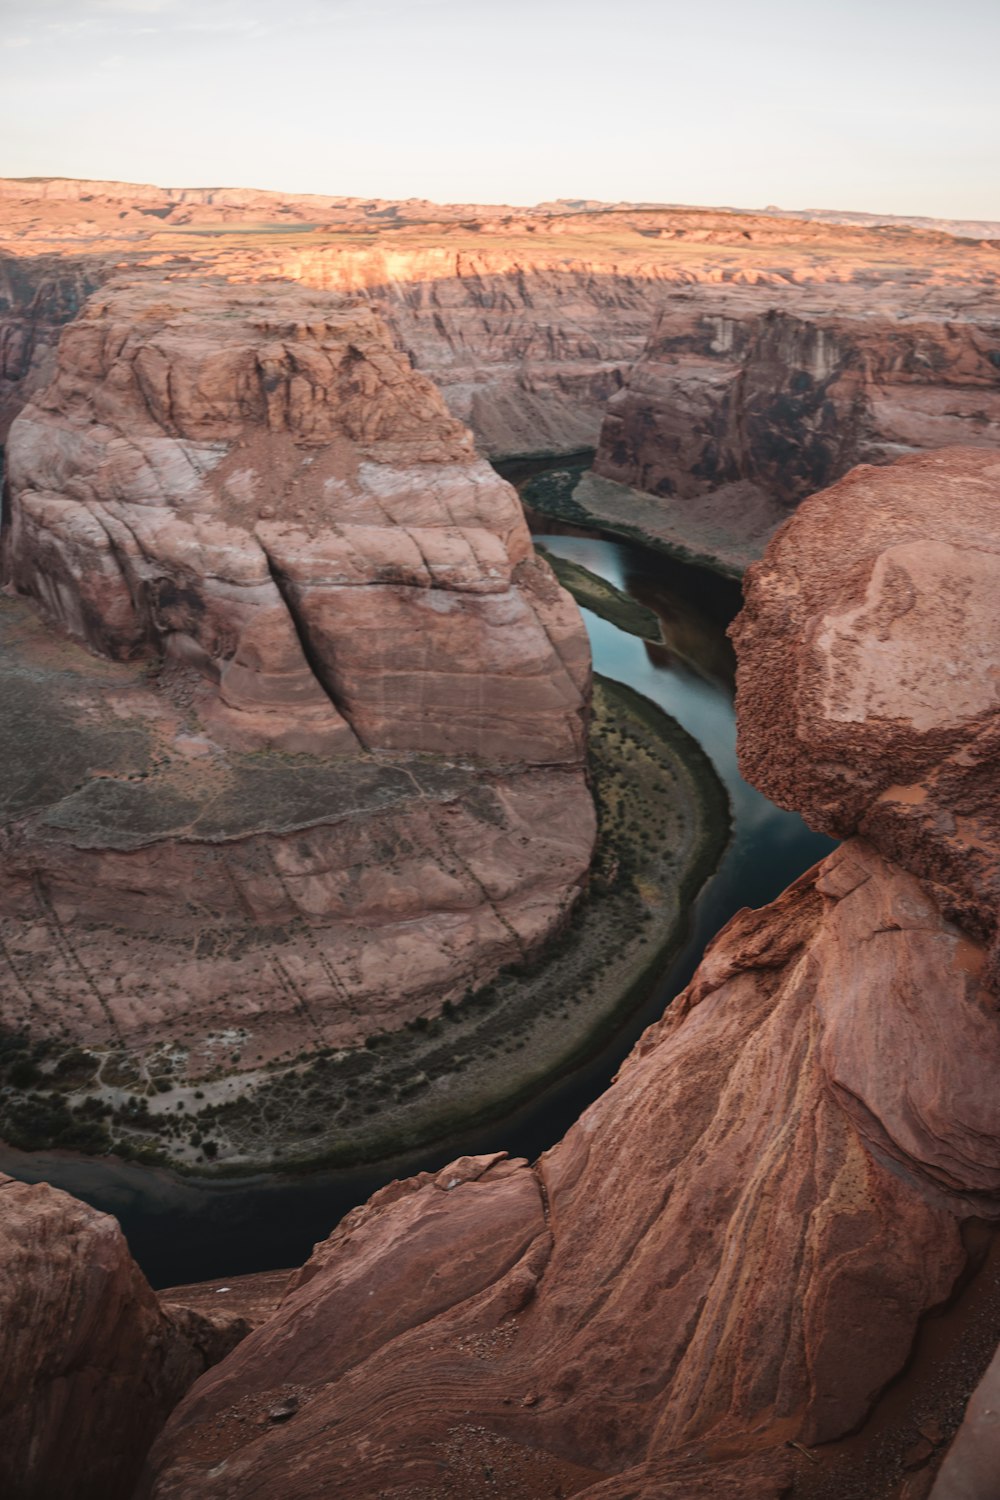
(732, 1250)
(711, 1282)
(306, 755)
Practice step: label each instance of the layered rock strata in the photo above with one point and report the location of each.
(332, 773)
(527, 319)
(262, 489)
(92, 1362)
(814, 357)
(39, 295)
(732, 415)
(731, 1251)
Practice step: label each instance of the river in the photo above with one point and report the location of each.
(182, 1230)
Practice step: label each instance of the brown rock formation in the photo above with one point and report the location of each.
(868, 681)
(732, 1248)
(733, 415)
(261, 488)
(719, 1245)
(527, 319)
(253, 505)
(38, 296)
(91, 1362)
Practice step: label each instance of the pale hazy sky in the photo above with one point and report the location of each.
(886, 105)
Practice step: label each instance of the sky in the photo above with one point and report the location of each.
(886, 106)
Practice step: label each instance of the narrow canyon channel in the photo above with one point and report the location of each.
(183, 1229)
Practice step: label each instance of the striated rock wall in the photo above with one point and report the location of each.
(261, 488)
(745, 412)
(741, 1234)
(331, 770)
(732, 1249)
(38, 296)
(92, 1362)
(527, 319)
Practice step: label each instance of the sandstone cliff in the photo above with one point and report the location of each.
(261, 488)
(527, 319)
(91, 1361)
(38, 296)
(733, 1247)
(732, 414)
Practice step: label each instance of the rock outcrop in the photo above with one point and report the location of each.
(869, 682)
(331, 773)
(92, 1363)
(259, 487)
(733, 415)
(732, 1249)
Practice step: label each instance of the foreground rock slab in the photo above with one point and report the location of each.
(869, 670)
(742, 1233)
(91, 1362)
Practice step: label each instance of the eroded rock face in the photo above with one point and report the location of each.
(527, 319)
(91, 1362)
(38, 296)
(732, 415)
(259, 487)
(869, 676)
(331, 772)
(159, 891)
(743, 1231)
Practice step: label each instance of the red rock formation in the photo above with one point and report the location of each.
(249, 500)
(527, 319)
(868, 686)
(91, 1361)
(260, 487)
(733, 414)
(38, 296)
(718, 1245)
(732, 1248)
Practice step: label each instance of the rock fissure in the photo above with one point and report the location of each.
(317, 664)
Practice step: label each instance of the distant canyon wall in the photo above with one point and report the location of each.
(528, 320)
(789, 401)
(38, 297)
